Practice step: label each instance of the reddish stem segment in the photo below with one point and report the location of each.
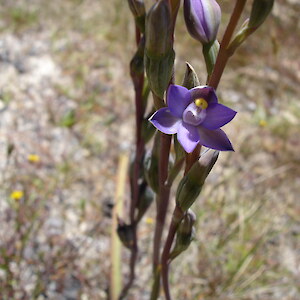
(191, 158)
(163, 197)
(139, 152)
(223, 55)
(176, 219)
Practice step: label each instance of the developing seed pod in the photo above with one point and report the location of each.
(260, 10)
(146, 197)
(159, 29)
(185, 234)
(159, 72)
(202, 19)
(137, 8)
(159, 55)
(125, 233)
(191, 184)
(240, 37)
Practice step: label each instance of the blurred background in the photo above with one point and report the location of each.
(66, 116)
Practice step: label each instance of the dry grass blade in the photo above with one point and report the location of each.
(115, 275)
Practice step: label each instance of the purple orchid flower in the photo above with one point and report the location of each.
(196, 116)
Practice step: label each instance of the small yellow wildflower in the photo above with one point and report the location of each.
(263, 123)
(33, 158)
(16, 195)
(149, 220)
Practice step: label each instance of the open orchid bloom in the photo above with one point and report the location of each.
(196, 116)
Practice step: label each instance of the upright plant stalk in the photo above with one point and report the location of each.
(224, 54)
(162, 204)
(160, 58)
(191, 158)
(163, 196)
(214, 80)
(176, 218)
(138, 80)
(192, 112)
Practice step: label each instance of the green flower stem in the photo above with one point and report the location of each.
(210, 53)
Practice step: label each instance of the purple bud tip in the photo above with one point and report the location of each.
(202, 18)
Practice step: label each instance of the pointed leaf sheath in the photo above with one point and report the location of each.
(190, 77)
(159, 53)
(159, 29)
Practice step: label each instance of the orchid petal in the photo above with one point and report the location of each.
(214, 139)
(217, 115)
(188, 137)
(178, 98)
(164, 121)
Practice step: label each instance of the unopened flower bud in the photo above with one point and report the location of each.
(185, 234)
(260, 10)
(191, 184)
(202, 18)
(147, 129)
(159, 29)
(138, 10)
(159, 72)
(125, 233)
(137, 7)
(159, 54)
